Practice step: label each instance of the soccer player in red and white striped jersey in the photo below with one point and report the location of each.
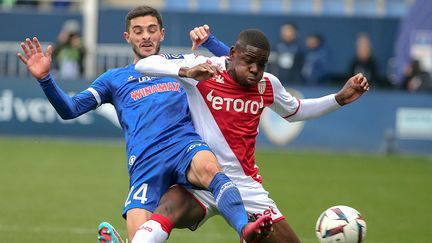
(226, 97)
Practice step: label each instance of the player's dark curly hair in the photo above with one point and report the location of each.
(253, 37)
(142, 11)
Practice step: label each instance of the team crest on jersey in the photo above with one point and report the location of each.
(219, 79)
(172, 56)
(261, 86)
(132, 160)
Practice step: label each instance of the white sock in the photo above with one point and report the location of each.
(150, 232)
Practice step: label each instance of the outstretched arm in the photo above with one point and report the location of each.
(201, 36)
(39, 64)
(67, 107)
(312, 108)
(293, 109)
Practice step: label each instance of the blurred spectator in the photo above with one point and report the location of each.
(65, 5)
(19, 3)
(29, 3)
(8, 3)
(364, 62)
(69, 52)
(315, 69)
(416, 79)
(290, 55)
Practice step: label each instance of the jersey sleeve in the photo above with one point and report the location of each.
(215, 46)
(284, 103)
(186, 60)
(66, 106)
(165, 65)
(101, 89)
(293, 109)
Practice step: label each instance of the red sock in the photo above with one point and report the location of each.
(165, 222)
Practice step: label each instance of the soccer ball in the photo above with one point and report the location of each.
(341, 224)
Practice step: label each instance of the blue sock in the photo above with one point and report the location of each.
(229, 201)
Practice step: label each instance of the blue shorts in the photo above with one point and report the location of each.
(159, 172)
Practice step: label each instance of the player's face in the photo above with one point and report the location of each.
(247, 64)
(145, 36)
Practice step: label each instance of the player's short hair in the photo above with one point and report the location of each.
(253, 37)
(142, 11)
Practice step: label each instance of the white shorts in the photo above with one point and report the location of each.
(255, 199)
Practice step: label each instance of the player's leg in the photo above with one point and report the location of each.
(135, 218)
(177, 208)
(206, 175)
(146, 189)
(257, 203)
(181, 207)
(205, 172)
(142, 199)
(282, 232)
(203, 168)
(156, 228)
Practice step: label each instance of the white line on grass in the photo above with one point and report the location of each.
(47, 229)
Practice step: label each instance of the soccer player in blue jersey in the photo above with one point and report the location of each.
(162, 146)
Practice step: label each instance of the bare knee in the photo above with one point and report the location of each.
(212, 168)
(206, 174)
(203, 168)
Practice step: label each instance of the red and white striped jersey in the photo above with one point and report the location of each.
(227, 115)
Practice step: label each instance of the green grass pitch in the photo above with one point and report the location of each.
(59, 191)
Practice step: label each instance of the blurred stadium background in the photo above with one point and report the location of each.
(59, 179)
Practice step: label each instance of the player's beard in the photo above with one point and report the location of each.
(136, 50)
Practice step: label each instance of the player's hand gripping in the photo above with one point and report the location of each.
(199, 35)
(352, 90)
(199, 72)
(37, 62)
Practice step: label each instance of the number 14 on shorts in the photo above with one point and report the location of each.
(140, 194)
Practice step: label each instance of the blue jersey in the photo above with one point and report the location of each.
(153, 112)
